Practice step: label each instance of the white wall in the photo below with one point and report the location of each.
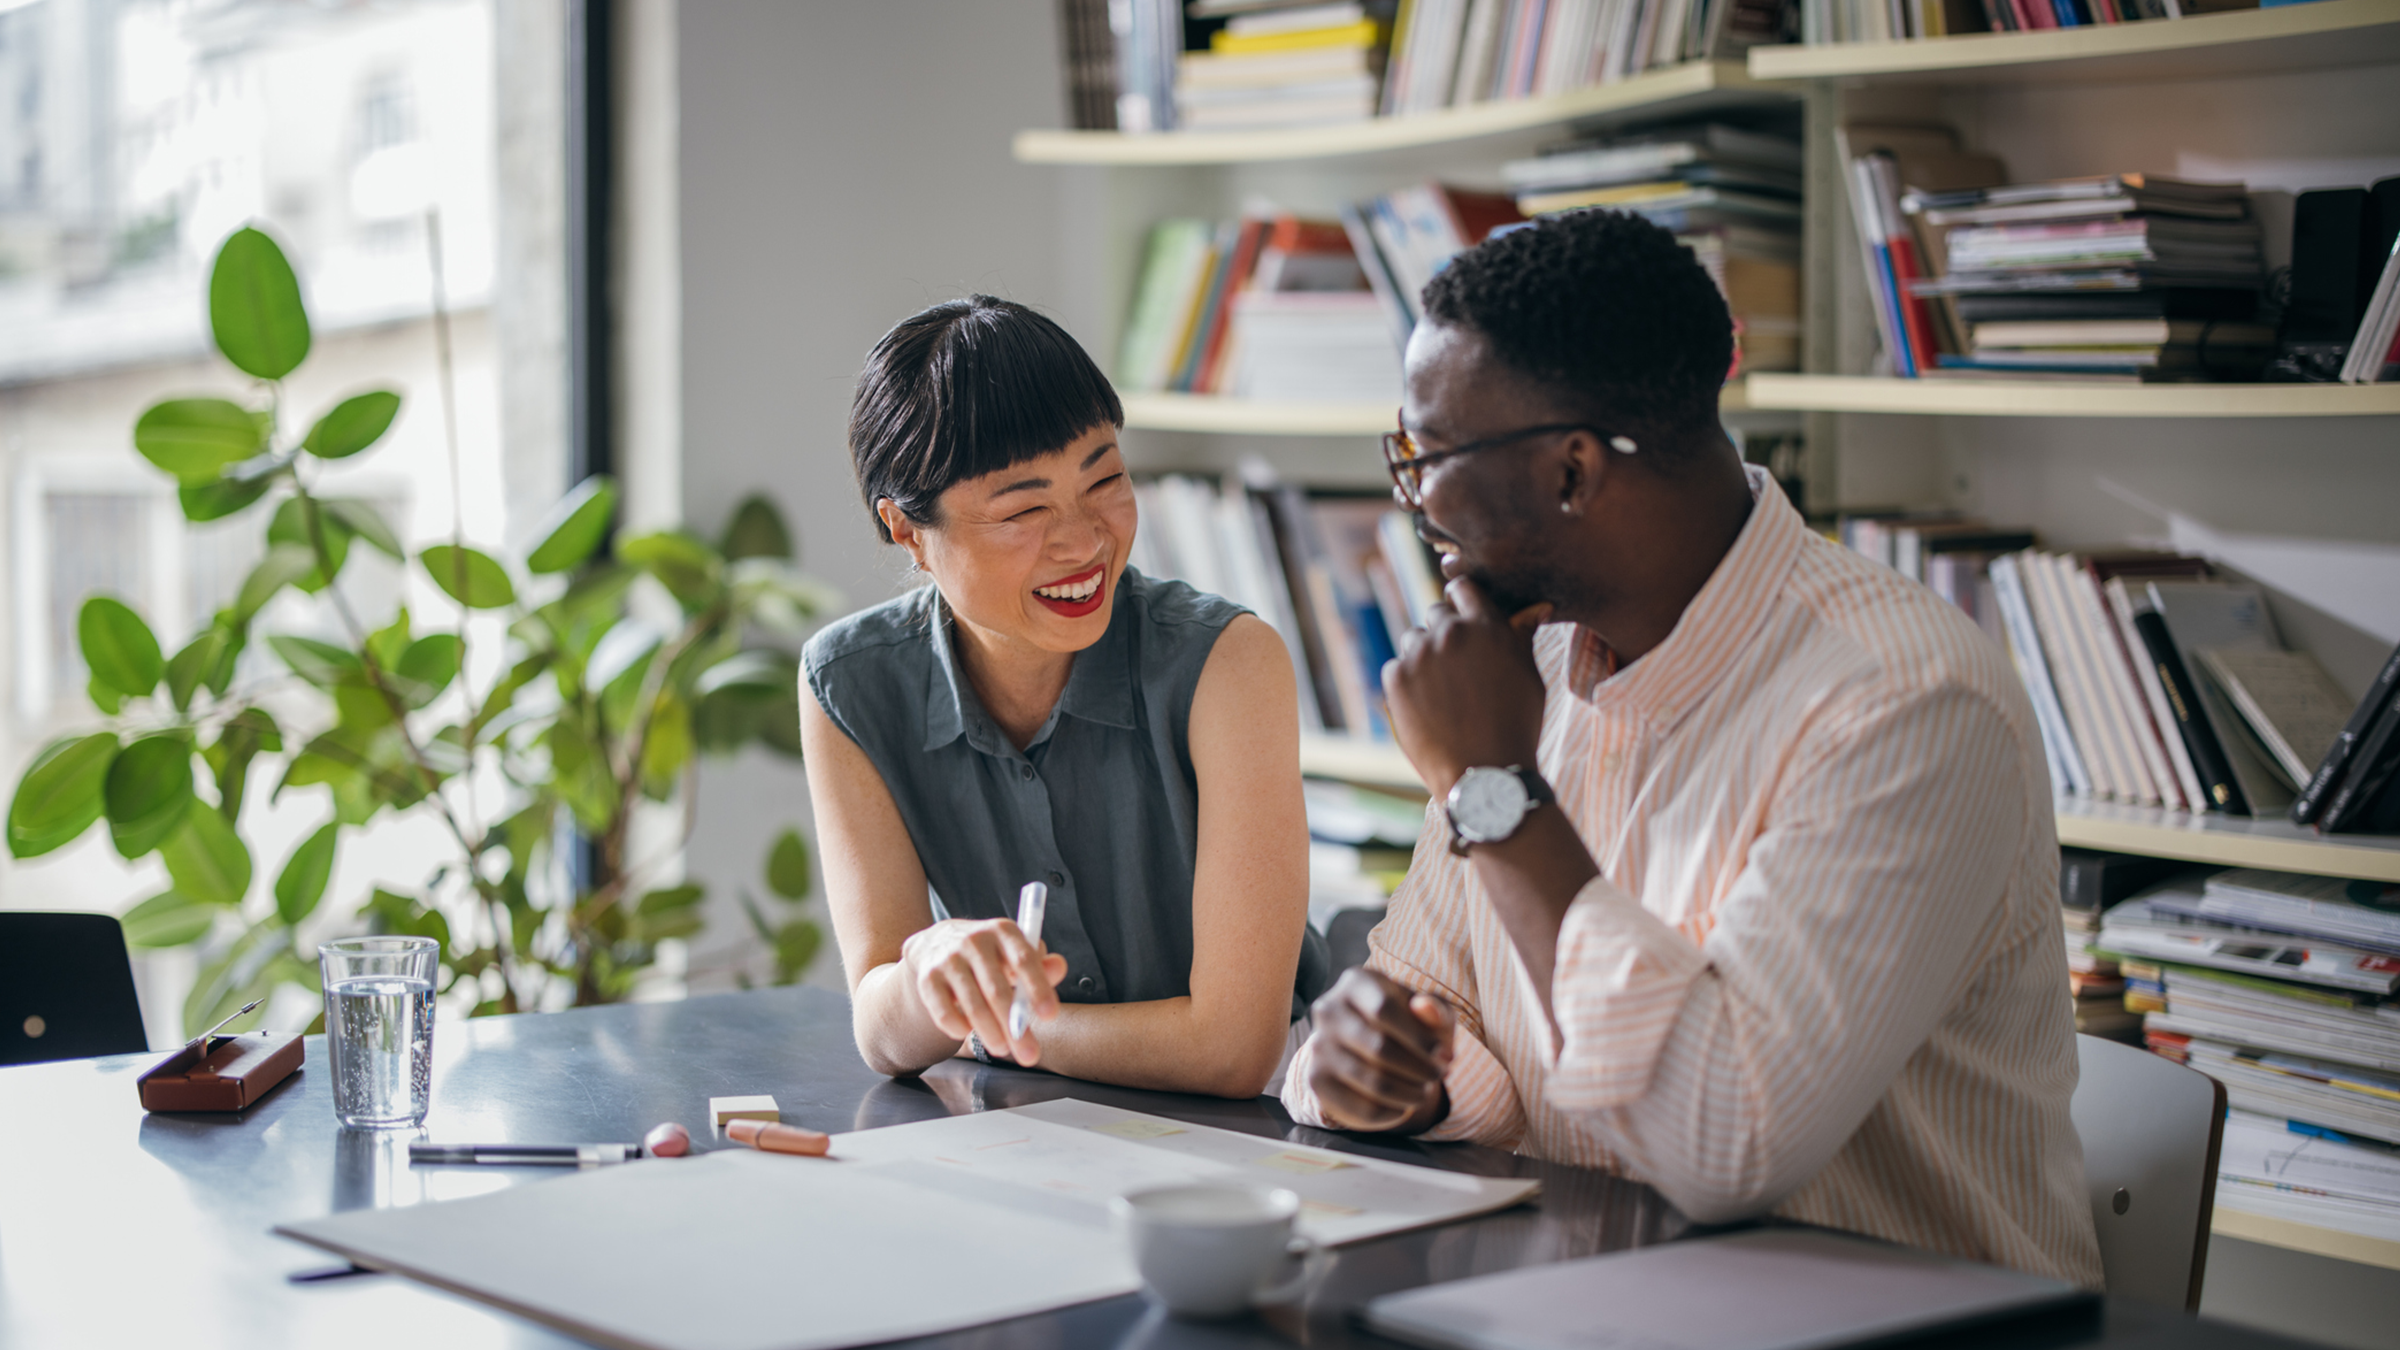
(841, 166)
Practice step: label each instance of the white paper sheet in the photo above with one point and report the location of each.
(1069, 1158)
(737, 1251)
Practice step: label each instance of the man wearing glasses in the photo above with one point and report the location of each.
(1743, 877)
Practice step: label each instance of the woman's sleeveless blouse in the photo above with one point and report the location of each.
(1103, 805)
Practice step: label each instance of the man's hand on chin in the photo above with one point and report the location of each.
(1379, 1053)
(1464, 690)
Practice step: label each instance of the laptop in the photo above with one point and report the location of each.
(1763, 1289)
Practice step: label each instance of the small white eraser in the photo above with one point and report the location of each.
(722, 1109)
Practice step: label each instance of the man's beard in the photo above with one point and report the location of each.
(1513, 591)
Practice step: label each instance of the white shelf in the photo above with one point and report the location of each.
(2229, 841)
(2034, 398)
(1355, 760)
(2303, 1237)
(2312, 36)
(1694, 87)
(1253, 417)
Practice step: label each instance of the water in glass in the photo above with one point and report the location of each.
(379, 1031)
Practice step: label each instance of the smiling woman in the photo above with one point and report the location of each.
(1042, 712)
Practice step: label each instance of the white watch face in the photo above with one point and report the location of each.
(1486, 804)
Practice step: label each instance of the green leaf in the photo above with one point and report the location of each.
(574, 527)
(104, 696)
(320, 663)
(168, 919)
(148, 792)
(759, 668)
(361, 706)
(690, 570)
(796, 945)
(118, 646)
(756, 531)
(241, 739)
(292, 528)
(220, 497)
(237, 636)
(774, 595)
(254, 307)
(787, 866)
(579, 775)
(283, 565)
(430, 663)
(208, 861)
(60, 795)
(471, 578)
(302, 882)
(362, 519)
(195, 438)
(669, 912)
(667, 745)
(193, 665)
(406, 915)
(354, 424)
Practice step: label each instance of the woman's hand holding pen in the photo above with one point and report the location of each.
(966, 973)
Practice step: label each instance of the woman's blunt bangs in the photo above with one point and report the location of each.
(966, 388)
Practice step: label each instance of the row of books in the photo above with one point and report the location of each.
(1450, 53)
(1824, 21)
(1164, 65)
(1730, 193)
(1271, 306)
(2286, 989)
(2156, 683)
(1338, 574)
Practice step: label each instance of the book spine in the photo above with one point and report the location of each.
(2208, 757)
(2337, 757)
(2050, 617)
(2067, 769)
(2371, 768)
(2162, 717)
(2132, 713)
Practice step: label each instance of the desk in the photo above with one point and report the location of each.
(118, 1228)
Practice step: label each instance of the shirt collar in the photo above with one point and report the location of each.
(1099, 684)
(1715, 627)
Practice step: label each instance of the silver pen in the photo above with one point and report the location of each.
(1031, 901)
(200, 1042)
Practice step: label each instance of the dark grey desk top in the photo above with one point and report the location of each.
(118, 1228)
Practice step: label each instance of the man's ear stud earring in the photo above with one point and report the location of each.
(1623, 445)
(1566, 508)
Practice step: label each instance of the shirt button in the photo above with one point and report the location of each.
(1084, 984)
(1028, 771)
(1057, 880)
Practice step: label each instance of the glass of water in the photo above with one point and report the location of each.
(379, 1027)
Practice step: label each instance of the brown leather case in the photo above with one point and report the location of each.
(228, 1074)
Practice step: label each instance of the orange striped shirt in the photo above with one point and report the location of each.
(1819, 973)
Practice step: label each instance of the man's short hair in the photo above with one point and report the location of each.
(1604, 308)
(965, 388)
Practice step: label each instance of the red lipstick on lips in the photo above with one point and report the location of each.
(1076, 609)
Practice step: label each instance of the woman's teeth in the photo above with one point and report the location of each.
(1070, 590)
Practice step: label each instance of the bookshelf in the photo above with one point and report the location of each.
(2313, 36)
(2270, 1231)
(1693, 87)
(2228, 841)
(2029, 398)
(1256, 417)
(1356, 760)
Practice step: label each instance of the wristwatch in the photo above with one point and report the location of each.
(1486, 805)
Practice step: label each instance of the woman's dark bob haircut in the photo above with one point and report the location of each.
(966, 388)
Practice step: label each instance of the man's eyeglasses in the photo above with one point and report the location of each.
(1408, 461)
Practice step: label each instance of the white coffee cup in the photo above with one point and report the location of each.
(1214, 1251)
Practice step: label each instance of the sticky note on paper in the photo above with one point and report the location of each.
(1306, 1164)
(1137, 1129)
(722, 1109)
(1326, 1209)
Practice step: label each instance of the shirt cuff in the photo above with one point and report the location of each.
(1483, 1098)
(1620, 981)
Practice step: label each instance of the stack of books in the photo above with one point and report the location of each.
(2120, 278)
(1402, 238)
(1340, 575)
(1283, 65)
(1360, 841)
(2089, 883)
(1823, 21)
(1731, 194)
(1269, 306)
(1450, 53)
(2282, 987)
(2355, 787)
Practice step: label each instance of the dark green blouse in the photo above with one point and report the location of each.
(1103, 805)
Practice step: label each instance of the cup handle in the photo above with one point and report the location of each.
(1312, 1257)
